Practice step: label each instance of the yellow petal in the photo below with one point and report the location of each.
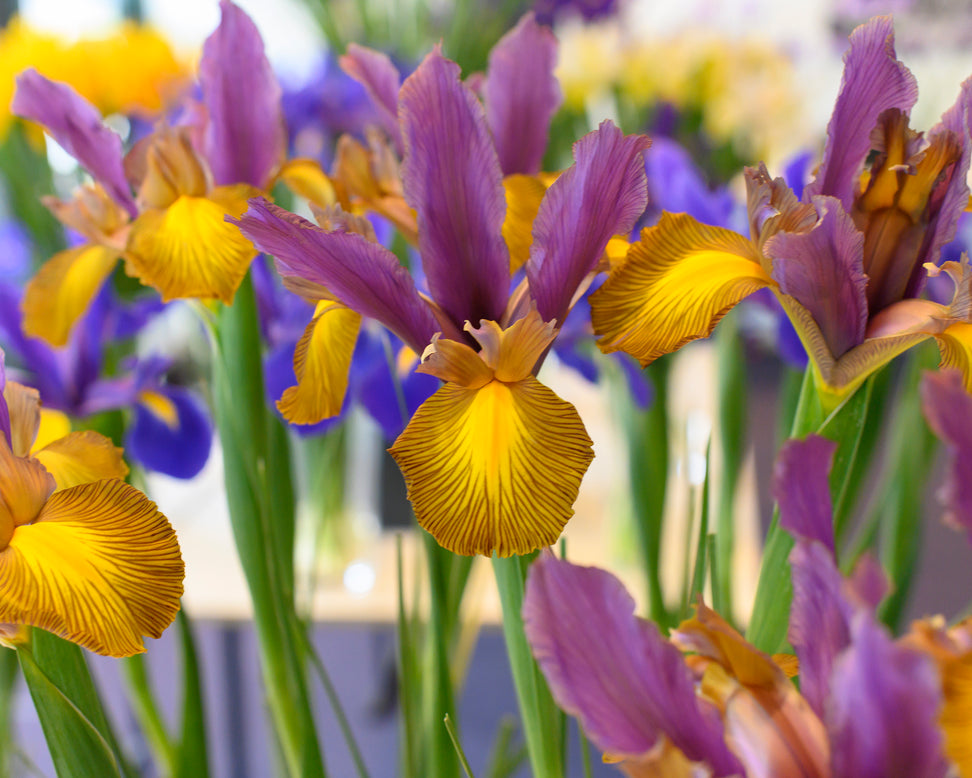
(455, 362)
(321, 363)
(304, 177)
(514, 352)
(100, 566)
(54, 425)
(82, 457)
(674, 286)
(23, 404)
(188, 250)
(523, 197)
(62, 290)
(494, 469)
(955, 346)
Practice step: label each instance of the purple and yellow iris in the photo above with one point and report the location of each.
(847, 261)
(494, 459)
(82, 554)
(706, 702)
(229, 147)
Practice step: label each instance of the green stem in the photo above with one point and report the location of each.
(148, 714)
(538, 713)
(771, 610)
(8, 681)
(260, 497)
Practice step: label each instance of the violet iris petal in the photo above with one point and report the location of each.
(819, 619)
(381, 79)
(873, 81)
(614, 671)
(882, 716)
(824, 270)
(363, 275)
(452, 178)
(948, 409)
(4, 411)
(76, 125)
(522, 94)
(39, 359)
(675, 185)
(801, 488)
(796, 170)
(245, 139)
(180, 450)
(955, 197)
(602, 194)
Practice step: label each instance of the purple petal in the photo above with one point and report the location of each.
(882, 717)
(452, 178)
(522, 94)
(602, 194)
(802, 490)
(873, 81)
(381, 80)
(676, 185)
(180, 450)
(952, 193)
(612, 670)
(868, 583)
(76, 125)
(4, 411)
(245, 139)
(819, 619)
(948, 409)
(823, 269)
(363, 275)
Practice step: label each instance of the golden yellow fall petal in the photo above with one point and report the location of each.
(82, 457)
(494, 469)
(675, 284)
(304, 177)
(188, 250)
(61, 291)
(23, 404)
(322, 360)
(955, 347)
(54, 425)
(523, 196)
(100, 567)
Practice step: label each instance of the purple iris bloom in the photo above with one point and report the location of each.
(548, 11)
(170, 433)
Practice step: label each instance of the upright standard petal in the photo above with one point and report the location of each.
(882, 717)
(948, 409)
(245, 139)
(873, 81)
(522, 94)
(602, 194)
(675, 285)
(381, 80)
(76, 125)
(452, 178)
(494, 469)
(802, 490)
(614, 671)
(100, 567)
(363, 275)
(823, 270)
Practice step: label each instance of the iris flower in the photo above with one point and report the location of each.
(705, 702)
(82, 554)
(493, 460)
(847, 262)
(171, 233)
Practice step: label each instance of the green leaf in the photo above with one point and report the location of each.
(193, 751)
(77, 748)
